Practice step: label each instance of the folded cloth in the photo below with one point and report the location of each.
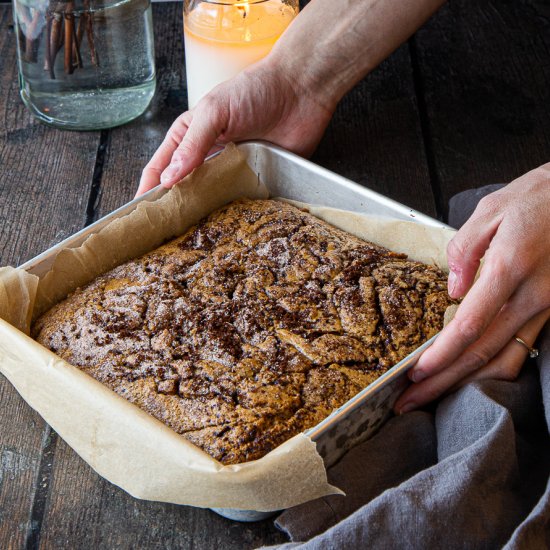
(475, 473)
(462, 205)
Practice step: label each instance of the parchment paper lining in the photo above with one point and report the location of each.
(122, 443)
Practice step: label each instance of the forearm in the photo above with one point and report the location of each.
(333, 44)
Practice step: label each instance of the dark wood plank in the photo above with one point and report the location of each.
(85, 511)
(375, 136)
(45, 180)
(485, 72)
(21, 434)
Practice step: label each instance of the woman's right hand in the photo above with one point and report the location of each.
(262, 102)
(289, 97)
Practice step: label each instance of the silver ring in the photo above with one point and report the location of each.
(533, 352)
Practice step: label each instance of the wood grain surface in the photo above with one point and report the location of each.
(465, 102)
(485, 79)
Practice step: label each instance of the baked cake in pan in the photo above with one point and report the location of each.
(250, 328)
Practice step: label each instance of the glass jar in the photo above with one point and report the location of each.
(222, 37)
(85, 64)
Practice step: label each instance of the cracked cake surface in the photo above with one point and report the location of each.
(251, 327)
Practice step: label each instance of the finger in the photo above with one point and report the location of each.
(478, 309)
(468, 246)
(424, 392)
(161, 159)
(450, 379)
(216, 149)
(505, 365)
(207, 124)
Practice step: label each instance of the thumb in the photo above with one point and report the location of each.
(206, 122)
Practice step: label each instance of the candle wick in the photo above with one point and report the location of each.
(245, 9)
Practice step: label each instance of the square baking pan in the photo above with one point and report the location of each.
(288, 176)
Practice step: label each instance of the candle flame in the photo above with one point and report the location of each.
(244, 7)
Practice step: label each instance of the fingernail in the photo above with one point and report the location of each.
(452, 283)
(408, 407)
(418, 375)
(171, 173)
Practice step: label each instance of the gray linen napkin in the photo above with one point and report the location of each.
(472, 473)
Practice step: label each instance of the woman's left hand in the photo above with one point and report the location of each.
(510, 230)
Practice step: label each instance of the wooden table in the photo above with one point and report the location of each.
(465, 102)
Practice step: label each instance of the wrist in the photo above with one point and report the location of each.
(314, 81)
(309, 53)
(331, 45)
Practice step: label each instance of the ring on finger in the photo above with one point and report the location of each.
(533, 352)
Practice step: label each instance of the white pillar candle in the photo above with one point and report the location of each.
(223, 38)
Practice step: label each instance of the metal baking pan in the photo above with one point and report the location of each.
(292, 177)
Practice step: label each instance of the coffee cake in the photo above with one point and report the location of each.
(251, 327)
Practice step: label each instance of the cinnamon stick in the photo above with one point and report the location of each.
(69, 33)
(64, 29)
(77, 58)
(55, 39)
(29, 34)
(90, 34)
(80, 27)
